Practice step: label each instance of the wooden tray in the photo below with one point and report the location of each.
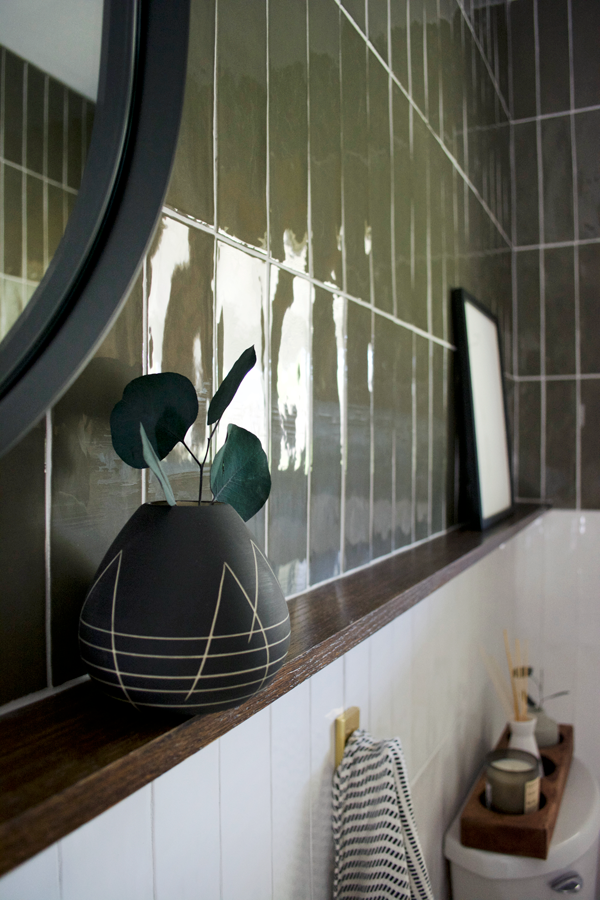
(526, 835)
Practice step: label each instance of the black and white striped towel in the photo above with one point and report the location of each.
(377, 850)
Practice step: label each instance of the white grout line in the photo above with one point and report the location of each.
(594, 376)
(556, 245)
(542, 276)
(576, 286)
(566, 112)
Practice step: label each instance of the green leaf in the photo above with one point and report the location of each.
(230, 384)
(240, 473)
(166, 404)
(153, 462)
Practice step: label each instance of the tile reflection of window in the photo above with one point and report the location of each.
(173, 251)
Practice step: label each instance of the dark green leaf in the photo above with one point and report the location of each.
(153, 462)
(240, 473)
(166, 404)
(230, 384)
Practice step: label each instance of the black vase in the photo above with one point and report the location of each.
(185, 612)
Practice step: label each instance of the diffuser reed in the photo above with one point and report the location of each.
(512, 694)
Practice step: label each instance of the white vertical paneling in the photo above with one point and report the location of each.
(186, 825)
(326, 701)
(111, 856)
(36, 879)
(246, 810)
(356, 681)
(428, 800)
(588, 578)
(381, 667)
(401, 678)
(529, 582)
(423, 685)
(290, 786)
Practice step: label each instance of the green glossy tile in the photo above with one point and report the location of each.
(526, 184)
(242, 120)
(93, 491)
(561, 451)
(447, 69)
(22, 520)
(587, 137)
(384, 358)
(558, 179)
(399, 40)
(325, 141)
(589, 306)
(417, 51)
(35, 120)
(191, 185)
(439, 436)
(553, 36)
(290, 411)
(450, 237)
(56, 218)
(355, 151)
(559, 266)
(12, 303)
(528, 306)
(55, 130)
(501, 14)
(75, 132)
(14, 74)
(358, 448)
(522, 42)
(377, 26)
(419, 222)
(13, 221)
(458, 137)
(590, 440)
(380, 210)
(326, 471)
(433, 38)
(288, 134)
(403, 398)
(530, 430)
(452, 448)
(586, 27)
(356, 8)
(422, 497)
(402, 204)
(35, 228)
(436, 240)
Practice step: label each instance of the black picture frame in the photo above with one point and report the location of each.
(136, 125)
(482, 420)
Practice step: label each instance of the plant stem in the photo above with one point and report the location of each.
(202, 464)
(194, 457)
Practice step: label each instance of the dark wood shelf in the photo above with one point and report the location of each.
(66, 759)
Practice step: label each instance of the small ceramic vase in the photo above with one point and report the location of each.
(522, 736)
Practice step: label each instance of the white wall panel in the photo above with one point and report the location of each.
(37, 879)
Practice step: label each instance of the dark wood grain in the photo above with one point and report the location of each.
(66, 759)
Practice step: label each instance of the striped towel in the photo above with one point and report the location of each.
(377, 850)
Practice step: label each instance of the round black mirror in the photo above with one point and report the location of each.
(135, 127)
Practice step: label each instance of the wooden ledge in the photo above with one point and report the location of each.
(66, 759)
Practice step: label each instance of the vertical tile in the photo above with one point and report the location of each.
(419, 224)
(35, 120)
(589, 306)
(382, 698)
(12, 303)
(14, 75)
(290, 785)
(528, 294)
(439, 450)
(14, 185)
(191, 186)
(417, 51)
(36, 878)
(587, 136)
(93, 491)
(401, 680)
(56, 130)
(326, 702)
(523, 58)
(402, 204)
(526, 183)
(22, 523)
(561, 424)
(326, 478)
(403, 390)
(437, 172)
(590, 435)
(422, 439)
(529, 480)
(186, 833)
(553, 29)
(56, 218)
(383, 429)
(355, 162)
(288, 135)
(586, 27)
(559, 311)
(290, 410)
(246, 826)
(399, 41)
(356, 8)
(357, 681)
(501, 14)
(35, 228)
(75, 112)
(558, 179)
(380, 211)
(242, 120)
(358, 451)
(377, 26)
(325, 141)
(111, 856)
(433, 64)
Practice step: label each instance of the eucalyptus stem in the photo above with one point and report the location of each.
(202, 464)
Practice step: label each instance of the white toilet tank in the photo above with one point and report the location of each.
(570, 869)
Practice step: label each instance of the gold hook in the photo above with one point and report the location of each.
(345, 724)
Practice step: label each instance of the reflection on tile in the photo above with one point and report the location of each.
(93, 491)
(191, 186)
(404, 395)
(586, 27)
(587, 138)
(56, 218)
(35, 120)
(422, 498)
(589, 306)
(358, 450)
(377, 26)
(553, 30)
(526, 183)
(22, 524)
(74, 148)
(559, 311)
(328, 388)
(402, 205)
(13, 221)
(12, 303)
(398, 41)
(529, 479)
(56, 130)
(325, 141)
(288, 134)
(528, 293)
(558, 179)
(561, 424)
(380, 184)
(290, 409)
(13, 107)
(523, 58)
(242, 120)
(590, 440)
(35, 228)
(385, 337)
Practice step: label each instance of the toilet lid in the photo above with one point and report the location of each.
(577, 827)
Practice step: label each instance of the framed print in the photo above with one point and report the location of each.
(481, 411)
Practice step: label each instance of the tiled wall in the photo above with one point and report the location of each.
(339, 169)
(556, 233)
(249, 815)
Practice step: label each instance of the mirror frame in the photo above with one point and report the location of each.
(134, 137)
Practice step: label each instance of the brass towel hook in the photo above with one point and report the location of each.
(345, 724)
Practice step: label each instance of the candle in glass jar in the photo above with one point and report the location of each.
(512, 782)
